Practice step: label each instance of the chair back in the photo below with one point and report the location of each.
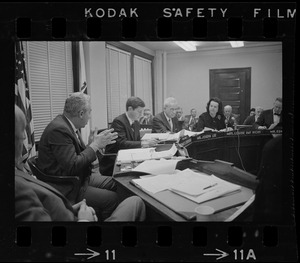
(69, 186)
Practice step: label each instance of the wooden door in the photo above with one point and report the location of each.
(233, 87)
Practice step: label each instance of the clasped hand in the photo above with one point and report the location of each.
(84, 212)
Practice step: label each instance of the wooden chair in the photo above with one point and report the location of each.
(67, 185)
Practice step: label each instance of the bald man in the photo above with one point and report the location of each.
(230, 120)
(166, 121)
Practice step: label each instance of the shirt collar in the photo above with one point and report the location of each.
(72, 125)
(130, 120)
(168, 118)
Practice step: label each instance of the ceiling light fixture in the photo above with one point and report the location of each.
(237, 43)
(186, 45)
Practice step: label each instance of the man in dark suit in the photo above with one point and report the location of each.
(191, 120)
(166, 121)
(63, 153)
(128, 128)
(147, 119)
(251, 119)
(269, 119)
(38, 201)
(270, 204)
(230, 119)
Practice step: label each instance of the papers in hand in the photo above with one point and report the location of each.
(142, 154)
(198, 187)
(169, 136)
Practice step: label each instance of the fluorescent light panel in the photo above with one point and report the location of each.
(186, 45)
(237, 43)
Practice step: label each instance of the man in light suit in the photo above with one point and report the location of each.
(269, 119)
(38, 201)
(128, 128)
(166, 121)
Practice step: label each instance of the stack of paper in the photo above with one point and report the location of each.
(169, 136)
(156, 167)
(198, 187)
(142, 154)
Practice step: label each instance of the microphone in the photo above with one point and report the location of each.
(226, 124)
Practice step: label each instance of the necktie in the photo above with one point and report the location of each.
(171, 124)
(80, 139)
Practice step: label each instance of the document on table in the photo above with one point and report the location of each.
(196, 186)
(142, 154)
(156, 167)
(169, 136)
(220, 188)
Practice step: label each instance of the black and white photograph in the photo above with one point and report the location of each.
(148, 132)
(154, 131)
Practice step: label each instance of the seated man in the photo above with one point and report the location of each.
(269, 119)
(128, 129)
(63, 153)
(38, 201)
(191, 120)
(147, 119)
(250, 120)
(230, 120)
(270, 192)
(166, 121)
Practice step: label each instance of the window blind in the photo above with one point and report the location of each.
(142, 80)
(118, 81)
(50, 77)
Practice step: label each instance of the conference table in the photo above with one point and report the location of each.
(219, 154)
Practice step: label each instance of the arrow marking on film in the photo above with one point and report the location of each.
(93, 254)
(221, 255)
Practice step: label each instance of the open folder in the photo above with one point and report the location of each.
(196, 186)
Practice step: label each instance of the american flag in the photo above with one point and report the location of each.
(85, 132)
(22, 99)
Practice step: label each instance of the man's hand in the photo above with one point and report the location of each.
(261, 127)
(86, 213)
(104, 138)
(149, 143)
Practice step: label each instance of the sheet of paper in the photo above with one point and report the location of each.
(192, 183)
(165, 154)
(154, 184)
(222, 188)
(142, 154)
(135, 155)
(157, 167)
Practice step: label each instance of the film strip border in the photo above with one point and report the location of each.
(156, 242)
(149, 21)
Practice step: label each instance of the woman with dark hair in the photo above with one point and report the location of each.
(213, 118)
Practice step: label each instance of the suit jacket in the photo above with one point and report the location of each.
(205, 120)
(38, 201)
(231, 121)
(187, 125)
(128, 138)
(60, 153)
(266, 119)
(161, 124)
(250, 120)
(272, 189)
(143, 121)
